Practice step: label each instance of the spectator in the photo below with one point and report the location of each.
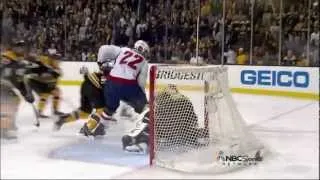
(258, 56)
(84, 56)
(242, 57)
(314, 38)
(52, 49)
(177, 53)
(187, 52)
(314, 53)
(74, 25)
(141, 29)
(290, 59)
(231, 56)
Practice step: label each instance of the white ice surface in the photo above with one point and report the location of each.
(289, 127)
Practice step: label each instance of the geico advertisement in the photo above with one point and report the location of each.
(279, 78)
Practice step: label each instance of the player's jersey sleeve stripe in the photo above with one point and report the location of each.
(94, 80)
(9, 55)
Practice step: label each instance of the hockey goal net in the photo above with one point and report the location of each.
(195, 125)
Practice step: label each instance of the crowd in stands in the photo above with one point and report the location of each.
(76, 28)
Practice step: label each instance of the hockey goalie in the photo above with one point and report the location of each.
(185, 130)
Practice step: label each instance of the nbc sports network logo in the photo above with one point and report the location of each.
(238, 160)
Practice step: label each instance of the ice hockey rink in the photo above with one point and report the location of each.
(289, 127)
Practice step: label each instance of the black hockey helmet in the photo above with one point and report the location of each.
(19, 46)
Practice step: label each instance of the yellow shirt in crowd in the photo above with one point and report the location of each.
(242, 59)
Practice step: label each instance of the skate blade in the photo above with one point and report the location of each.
(140, 150)
(37, 125)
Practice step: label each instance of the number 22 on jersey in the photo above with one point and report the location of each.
(131, 59)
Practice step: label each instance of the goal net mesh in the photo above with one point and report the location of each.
(196, 123)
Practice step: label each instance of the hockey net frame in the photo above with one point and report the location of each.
(219, 143)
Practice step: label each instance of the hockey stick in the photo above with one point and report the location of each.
(29, 91)
(18, 93)
(37, 123)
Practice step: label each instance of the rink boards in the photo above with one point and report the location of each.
(296, 82)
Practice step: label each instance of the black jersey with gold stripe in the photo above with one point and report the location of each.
(9, 56)
(96, 78)
(47, 69)
(12, 65)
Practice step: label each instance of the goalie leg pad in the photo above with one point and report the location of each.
(135, 144)
(139, 134)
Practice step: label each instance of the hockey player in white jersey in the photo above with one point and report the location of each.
(125, 82)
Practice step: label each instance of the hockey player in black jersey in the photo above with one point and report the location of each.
(14, 66)
(42, 78)
(92, 98)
